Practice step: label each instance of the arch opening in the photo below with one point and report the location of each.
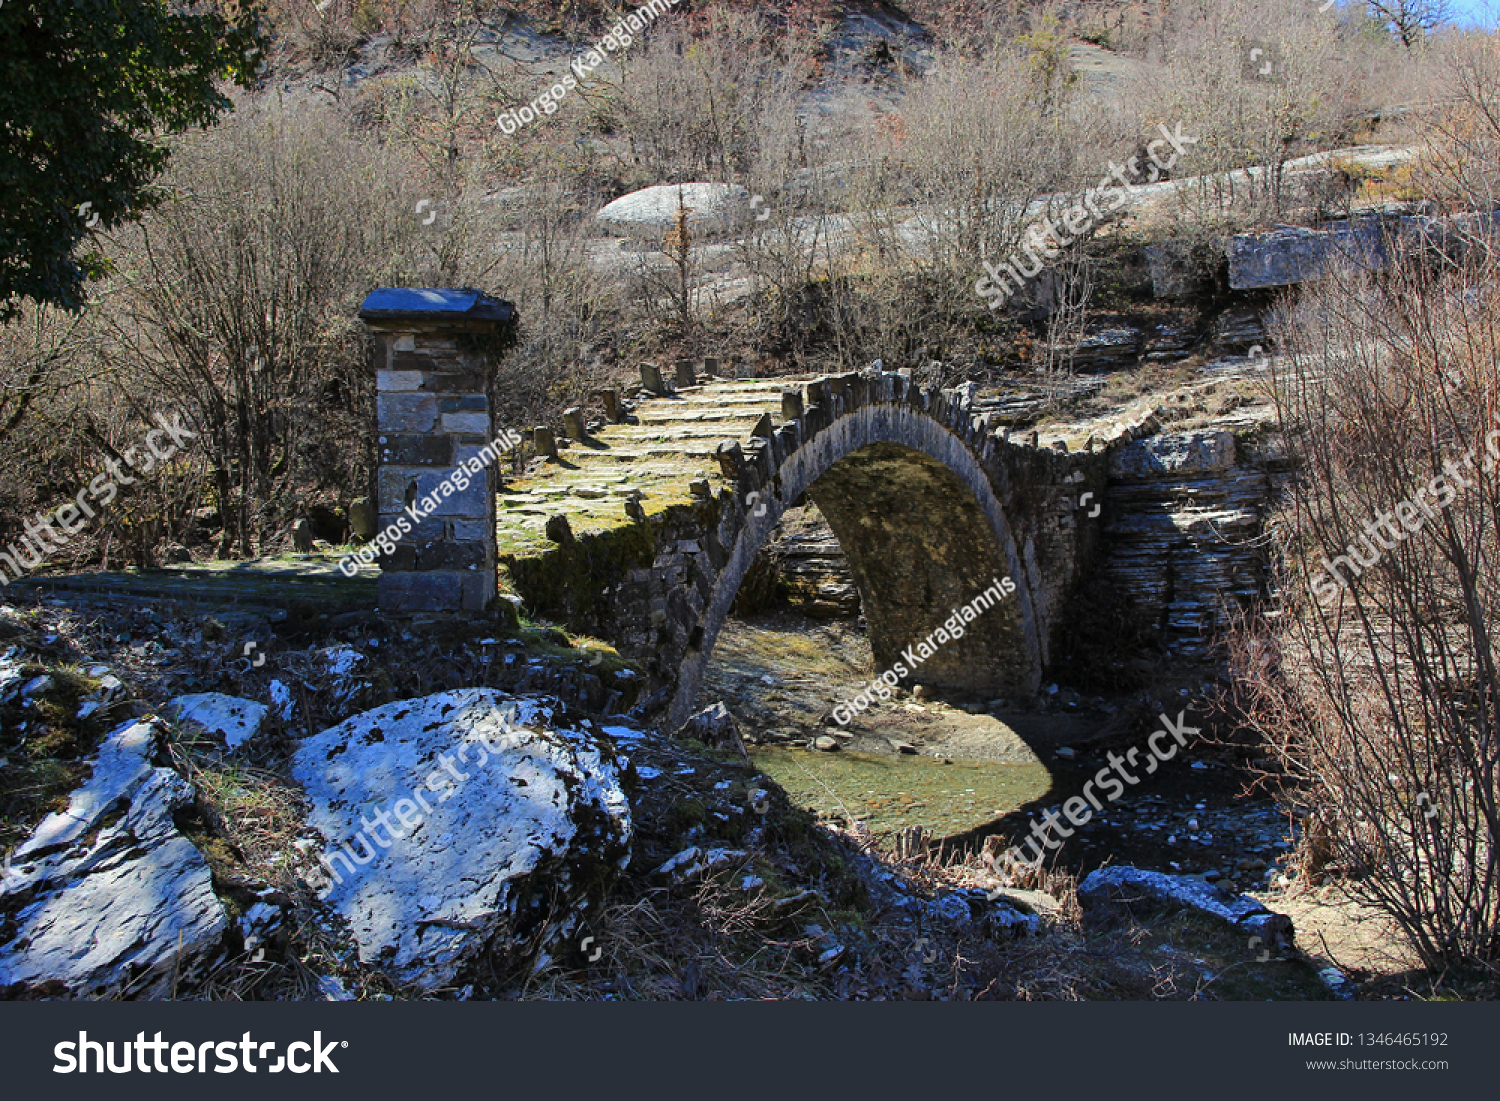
(924, 534)
(920, 548)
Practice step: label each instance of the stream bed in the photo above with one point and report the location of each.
(966, 772)
(887, 792)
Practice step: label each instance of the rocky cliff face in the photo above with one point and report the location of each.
(1183, 518)
(804, 568)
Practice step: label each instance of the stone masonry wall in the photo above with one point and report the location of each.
(433, 416)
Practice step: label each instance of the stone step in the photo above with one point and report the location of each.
(676, 430)
(746, 417)
(528, 513)
(743, 386)
(688, 401)
(724, 395)
(699, 448)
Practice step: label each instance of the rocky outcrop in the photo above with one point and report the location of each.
(803, 565)
(462, 822)
(108, 899)
(815, 575)
(1293, 254)
(1182, 519)
(363, 519)
(715, 727)
(1110, 349)
(1110, 892)
(1239, 328)
(713, 210)
(229, 719)
(1173, 271)
(1169, 342)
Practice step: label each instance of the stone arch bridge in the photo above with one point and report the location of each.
(641, 527)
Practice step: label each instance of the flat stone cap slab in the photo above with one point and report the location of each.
(419, 304)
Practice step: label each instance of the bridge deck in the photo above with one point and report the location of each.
(671, 444)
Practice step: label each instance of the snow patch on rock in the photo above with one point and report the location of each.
(108, 899)
(500, 826)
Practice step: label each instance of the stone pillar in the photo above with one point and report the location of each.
(685, 376)
(544, 441)
(711, 366)
(433, 416)
(573, 423)
(611, 397)
(651, 379)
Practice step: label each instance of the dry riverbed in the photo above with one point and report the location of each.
(968, 770)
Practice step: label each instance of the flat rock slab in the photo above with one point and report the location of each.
(121, 765)
(1290, 255)
(1110, 891)
(459, 822)
(1182, 455)
(239, 592)
(233, 720)
(104, 904)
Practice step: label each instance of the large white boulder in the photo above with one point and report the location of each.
(714, 210)
(461, 821)
(107, 899)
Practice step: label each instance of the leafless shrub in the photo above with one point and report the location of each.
(947, 179)
(1073, 283)
(1257, 87)
(693, 100)
(235, 305)
(542, 263)
(1382, 695)
(1460, 167)
(44, 392)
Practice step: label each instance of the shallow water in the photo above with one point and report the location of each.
(892, 792)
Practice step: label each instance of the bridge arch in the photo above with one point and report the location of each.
(923, 529)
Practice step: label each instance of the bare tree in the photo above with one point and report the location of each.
(236, 306)
(1411, 20)
(40, 353)
(541, 262)
(1378, 683)
(1072, 285)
